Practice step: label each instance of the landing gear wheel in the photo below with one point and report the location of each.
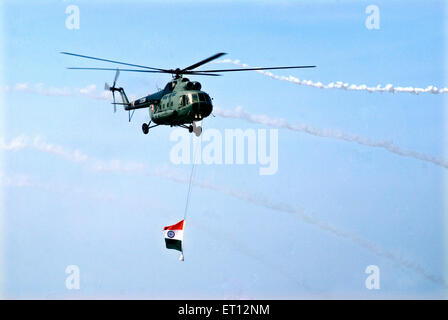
(198, 131)
(190, 129)
(145, 128)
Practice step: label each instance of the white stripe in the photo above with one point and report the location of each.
(178, 234)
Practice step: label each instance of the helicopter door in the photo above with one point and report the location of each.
(168, 104)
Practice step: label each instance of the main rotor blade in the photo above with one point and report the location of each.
(197, 73)
(253, 69)
(147, 71)
(200, 63)
(112, 61)
(115, 69)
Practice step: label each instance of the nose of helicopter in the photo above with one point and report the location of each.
(204, 109)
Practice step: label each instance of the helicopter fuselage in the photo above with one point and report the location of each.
(180, 102)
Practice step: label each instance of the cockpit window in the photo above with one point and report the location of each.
(195, 97)
(201, 97)
(206, 98)
(170, 86)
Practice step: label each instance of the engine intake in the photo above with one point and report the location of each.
(193, 85)
(197, 85)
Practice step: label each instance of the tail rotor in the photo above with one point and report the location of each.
(113, 88)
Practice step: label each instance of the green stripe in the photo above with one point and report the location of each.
(173, 244)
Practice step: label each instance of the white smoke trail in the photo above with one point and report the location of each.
(112, 166)
(239, 113)
(18, 180)
(249, 252)
(22, 142)
(342, 85)
(116, 166)
(38, 143)
(307, 218)
(91, 92)
(24, 181)
(39, 88)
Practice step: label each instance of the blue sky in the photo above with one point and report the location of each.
(58, 211)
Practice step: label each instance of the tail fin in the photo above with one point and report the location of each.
(125, 101)
(126, 104)
(124, 98)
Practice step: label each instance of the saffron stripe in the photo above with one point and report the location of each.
(177, 226)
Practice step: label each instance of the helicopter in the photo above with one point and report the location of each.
(181, 103)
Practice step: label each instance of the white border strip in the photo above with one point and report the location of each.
(445, 184)
(2, 129)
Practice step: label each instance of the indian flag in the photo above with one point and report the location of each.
(174, 235)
